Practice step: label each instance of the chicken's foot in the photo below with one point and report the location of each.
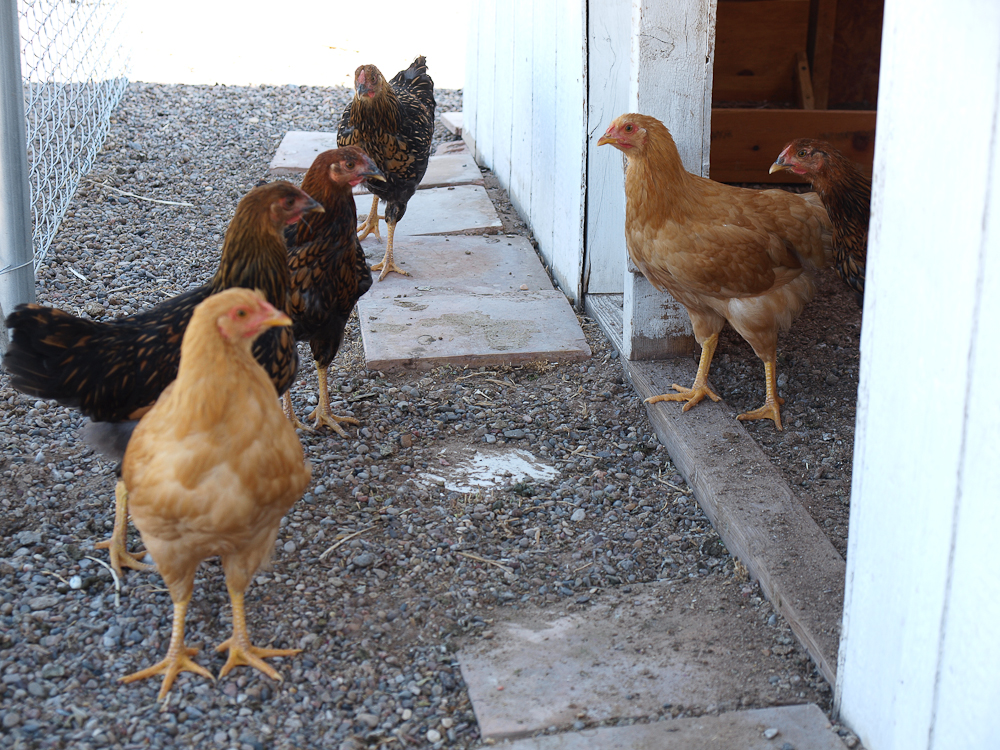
(699, 389)
(116, 544)
(772, 401)
(286, 405)
(370, 224)
(241, 652)
(177, 659)
(322, 413)
(387, 265)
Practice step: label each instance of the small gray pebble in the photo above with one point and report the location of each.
(11, 720)
(289, 546)
(770, 733)
(364, 560)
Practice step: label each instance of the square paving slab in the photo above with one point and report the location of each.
(465, 209)
(469, 329)
(800, 727)
(633, 653)
(481, 265)
(299, 148)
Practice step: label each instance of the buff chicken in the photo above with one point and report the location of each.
(212, 469)
(725, 253)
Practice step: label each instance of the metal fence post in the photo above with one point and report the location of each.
(17, 272)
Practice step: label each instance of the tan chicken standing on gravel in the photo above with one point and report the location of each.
(212, 469)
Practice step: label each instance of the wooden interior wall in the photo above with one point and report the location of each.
(759, 103)
(857, 48)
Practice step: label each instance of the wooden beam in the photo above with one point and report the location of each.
(745, 142)
(747, 500)
(803, 82)
(822, 28)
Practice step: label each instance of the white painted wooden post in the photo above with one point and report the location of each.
(471, 93)
(673, 51)
(920, 649)
(608, 68)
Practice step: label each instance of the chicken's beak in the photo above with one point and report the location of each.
(607, 139)
(373, 173)
(777, 167)
(313, 205)
(275, 319)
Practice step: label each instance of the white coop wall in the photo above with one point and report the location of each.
(525, 118)
(919, 652)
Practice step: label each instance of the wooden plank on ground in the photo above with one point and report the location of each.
(747, 500)
(745, 142)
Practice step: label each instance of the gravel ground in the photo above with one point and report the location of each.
(380, 573)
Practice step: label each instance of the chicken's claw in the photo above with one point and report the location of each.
(171, 666)
(286, 405)
(117, 551)
(370, 224)
(769, 410)
(244, 654)
(328, 419)
(693, 396)
(386, 269)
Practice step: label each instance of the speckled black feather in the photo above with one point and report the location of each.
(109, 370)
(395, 128)
(329, 272)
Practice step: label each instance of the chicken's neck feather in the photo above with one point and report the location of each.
(216, 376)
(254, 256)
(657, 186)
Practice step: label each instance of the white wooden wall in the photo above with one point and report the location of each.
(543, 82)
(920, 651)
(525, 118)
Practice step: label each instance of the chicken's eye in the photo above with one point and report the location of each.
(350, 165)
(803, 153)
(241, 313)
(628, 128)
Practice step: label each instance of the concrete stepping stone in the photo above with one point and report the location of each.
(628, 654)
(452, 121)
(460, 263)
(472, 330)
(802, 727)
(465, 209)
(299, 148)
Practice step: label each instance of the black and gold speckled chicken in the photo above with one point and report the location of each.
(394, 123)
(846, 193)
(114, 371)
(329, 272)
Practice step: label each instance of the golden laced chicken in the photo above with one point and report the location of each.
(847, 194)
(113, 371)
(725, 253)
(212, 469)
(394, 123)
(329, 272)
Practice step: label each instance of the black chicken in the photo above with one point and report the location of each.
(394, 123)
(846, 193)
(114, 371)
(328, 267)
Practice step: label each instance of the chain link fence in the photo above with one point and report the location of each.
(75, 69)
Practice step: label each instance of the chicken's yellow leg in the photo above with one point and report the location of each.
(370, 224)
(772, 401)
(322, 413)
(699, 389)
(177, 659)
(387, 265)
(116, 544)
(286, 405)
(240, 650)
